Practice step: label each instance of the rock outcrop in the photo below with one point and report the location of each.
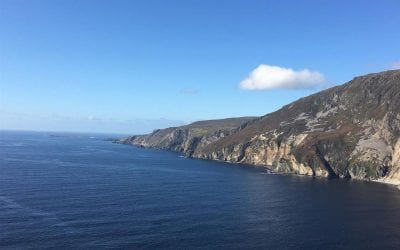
(348, 131)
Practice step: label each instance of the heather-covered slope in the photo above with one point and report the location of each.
(351, 130)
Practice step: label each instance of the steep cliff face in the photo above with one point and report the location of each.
(189, 138)
(349, 131)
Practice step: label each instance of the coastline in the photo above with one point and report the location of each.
(395, 184)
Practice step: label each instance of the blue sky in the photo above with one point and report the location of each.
(132, 66)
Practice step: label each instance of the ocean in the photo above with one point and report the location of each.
(81, 191)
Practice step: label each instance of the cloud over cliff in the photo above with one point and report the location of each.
(395, 65)
(275, 77)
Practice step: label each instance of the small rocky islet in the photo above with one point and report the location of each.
(347, 131)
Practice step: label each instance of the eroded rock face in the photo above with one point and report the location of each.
(188, 139)
(348, 131)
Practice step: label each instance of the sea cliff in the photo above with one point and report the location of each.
(348, 131)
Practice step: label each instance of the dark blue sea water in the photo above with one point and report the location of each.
(80, 191)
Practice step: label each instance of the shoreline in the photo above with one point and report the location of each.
(265, 167)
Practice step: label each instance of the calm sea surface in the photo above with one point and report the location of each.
(81, 191)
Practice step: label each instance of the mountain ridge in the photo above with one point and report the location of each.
(349, 131)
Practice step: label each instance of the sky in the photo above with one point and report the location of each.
(133, 66)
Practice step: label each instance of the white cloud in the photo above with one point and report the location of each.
(91, 117)
(189, 91)
(275, 77)
(395, 65)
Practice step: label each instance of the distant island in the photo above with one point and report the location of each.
(348, 131)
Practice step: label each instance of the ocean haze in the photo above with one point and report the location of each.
(89, 124)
